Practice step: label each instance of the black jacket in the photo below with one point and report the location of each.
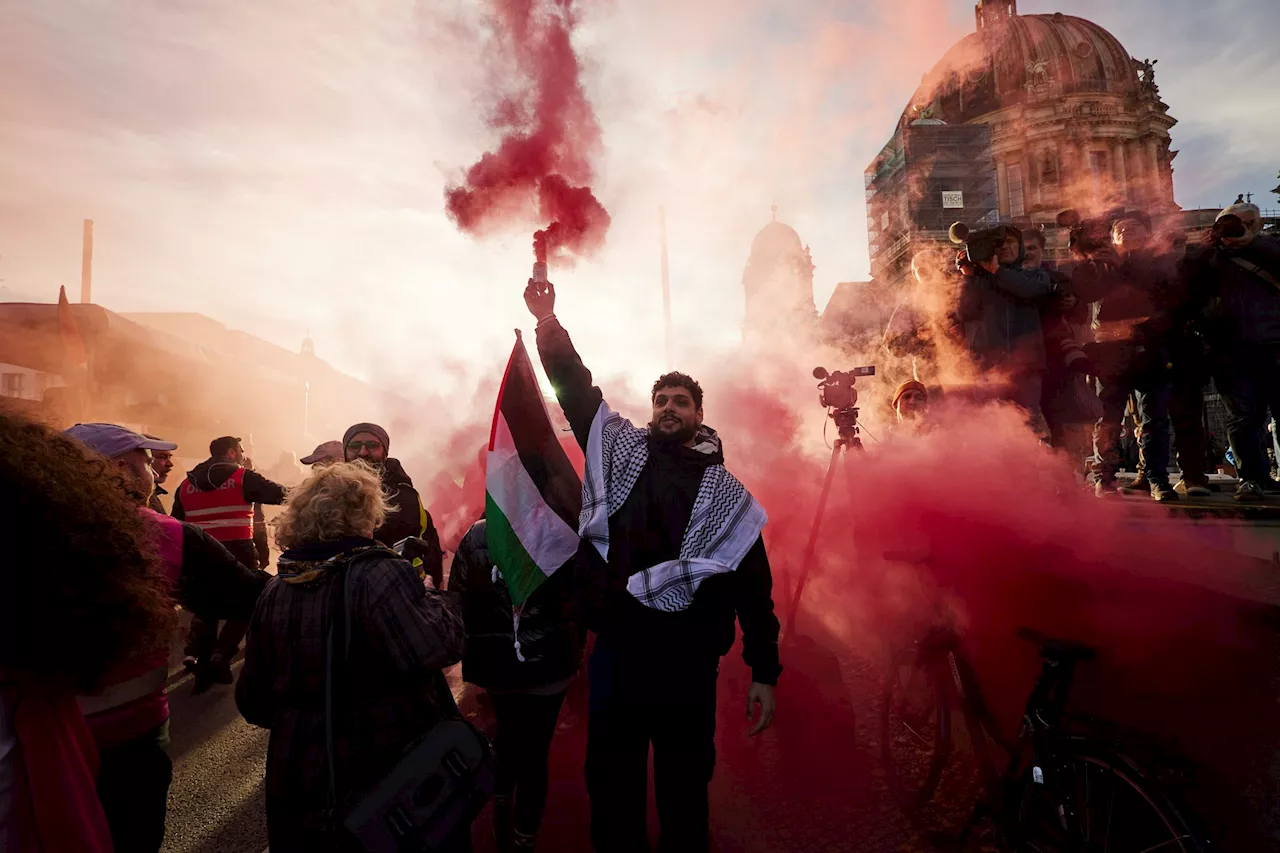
(549, 640)
(1241, 306)
(648, 529)
(1140, 306)
(410, 517)
(1001, 316)
(214, 584)
(212, 473)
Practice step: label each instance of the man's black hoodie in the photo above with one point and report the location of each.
(650, 646)
(211, 474)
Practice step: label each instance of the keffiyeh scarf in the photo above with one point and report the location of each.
(725, 522)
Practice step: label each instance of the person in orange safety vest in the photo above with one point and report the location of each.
(219, 496)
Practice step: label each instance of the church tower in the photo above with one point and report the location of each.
(778, 284)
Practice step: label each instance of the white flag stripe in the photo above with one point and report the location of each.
(545, 537)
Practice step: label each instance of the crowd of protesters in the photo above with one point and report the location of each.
(1122, 343)
(346, 645)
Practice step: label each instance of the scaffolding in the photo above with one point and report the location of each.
(927, 177)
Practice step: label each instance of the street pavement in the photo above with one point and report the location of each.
(215, 802)
(811, 783)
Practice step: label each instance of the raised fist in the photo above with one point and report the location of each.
(540, 297)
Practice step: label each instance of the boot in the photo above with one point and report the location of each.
(1105, 487)
(1161, 491)
(1139, 483)
(1193, 488)
(220, 669)
(502, 830)
(1249, 492)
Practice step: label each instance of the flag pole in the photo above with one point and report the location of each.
(666, 289)
(86, 264)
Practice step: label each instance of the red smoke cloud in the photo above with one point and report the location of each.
(1187, 640)
(540, 172)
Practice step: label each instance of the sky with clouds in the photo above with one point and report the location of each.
(280, 165)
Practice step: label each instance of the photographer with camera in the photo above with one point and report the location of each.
(1236, 278)
(1139, 298)
(1000, 307)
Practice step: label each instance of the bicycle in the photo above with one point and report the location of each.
(1059, 791)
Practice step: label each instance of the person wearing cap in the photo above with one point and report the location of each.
(1235, 279)
(161, 464)
(325, 454)
(219, 496)
(369, 443)
(129, 718)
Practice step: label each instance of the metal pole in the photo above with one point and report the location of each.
(86, 264)
(807, 559)
(666, 289)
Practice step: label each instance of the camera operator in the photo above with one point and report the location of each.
(1000, 308)
(1237, 278)
(1070, 406)
(1136, 290)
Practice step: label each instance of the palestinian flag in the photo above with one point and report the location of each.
(532, 494)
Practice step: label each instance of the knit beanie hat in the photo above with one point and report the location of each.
(371, 428)
(909, 385)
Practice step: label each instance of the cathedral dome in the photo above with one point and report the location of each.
(776, 240)
(1026, 59)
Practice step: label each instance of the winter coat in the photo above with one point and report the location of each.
(410, 517)
(387, 692)
(1138, 306)
(1001, 316)
(1240, 305)
(651, 646)
(549, 640)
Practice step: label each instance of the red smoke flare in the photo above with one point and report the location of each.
(540, 171)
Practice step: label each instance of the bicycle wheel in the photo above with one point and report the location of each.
(1118, 809)
(915, 729)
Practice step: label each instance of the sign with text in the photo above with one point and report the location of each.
(952, 198)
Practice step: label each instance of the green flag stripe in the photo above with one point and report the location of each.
(520, 572)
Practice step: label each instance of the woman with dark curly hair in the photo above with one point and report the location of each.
(77, 597)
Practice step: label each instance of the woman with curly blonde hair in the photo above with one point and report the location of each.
(386, 683)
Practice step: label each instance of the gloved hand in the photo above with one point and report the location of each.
(427, 558)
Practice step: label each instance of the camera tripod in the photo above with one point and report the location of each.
(848, 436)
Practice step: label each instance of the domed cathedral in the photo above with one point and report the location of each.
(1074, 121)
(778, 282)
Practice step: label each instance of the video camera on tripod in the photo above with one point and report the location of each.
(836, 392)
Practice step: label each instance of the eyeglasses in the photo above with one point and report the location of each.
(357, 446)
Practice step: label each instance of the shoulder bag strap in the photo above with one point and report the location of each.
(448, 707)
(330, 753)
(1256, 270)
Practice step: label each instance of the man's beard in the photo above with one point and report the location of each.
(683, 435)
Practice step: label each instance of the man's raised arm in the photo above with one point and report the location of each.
(570, 378)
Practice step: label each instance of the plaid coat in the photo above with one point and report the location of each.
(402, 636)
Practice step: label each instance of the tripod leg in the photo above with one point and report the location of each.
(807, 559)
